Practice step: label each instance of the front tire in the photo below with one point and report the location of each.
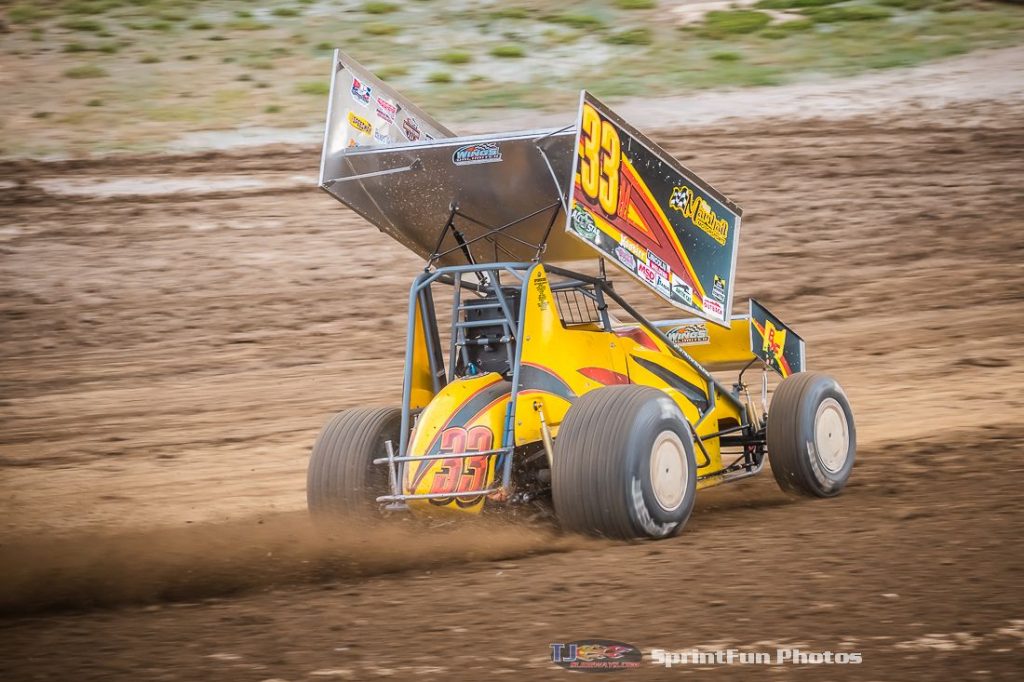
(811, 439)
(342, 479)
(624, 465)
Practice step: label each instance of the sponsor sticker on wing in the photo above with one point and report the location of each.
(718, 290)
(482, 152)
(634, 248)
(714, 309)
(360, 123)
(361, 91)
(690, 334)
(387, 110)
(699, 212)
(625, 257)
(411, 129)
(647, 273)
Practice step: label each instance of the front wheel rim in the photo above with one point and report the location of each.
(669, 470)
(831, 435)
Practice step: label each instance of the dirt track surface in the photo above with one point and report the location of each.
(167, 360)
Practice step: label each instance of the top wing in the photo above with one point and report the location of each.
(652, 216)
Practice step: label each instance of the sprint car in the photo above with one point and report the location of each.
(529, 385)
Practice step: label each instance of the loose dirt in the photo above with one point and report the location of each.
(167, 359)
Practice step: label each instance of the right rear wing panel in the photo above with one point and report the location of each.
(363, 111)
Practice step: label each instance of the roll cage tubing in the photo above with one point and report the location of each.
(490, 278)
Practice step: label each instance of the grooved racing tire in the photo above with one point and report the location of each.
(811, 436)
(342, 479)
(624, 465)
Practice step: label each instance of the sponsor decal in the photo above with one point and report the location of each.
(774, 341)
(646, 273)
(718, 291)
(595, 655)
(411, 129)
(583, 223)
(381, 136)
(540, 283)
(352, 143)
(428, 136)
(689, 334)
(714, 309)
(361, 91)
(359, 123)
(657, 263)
(625, 257)
(662, 283)
(470, 154)
(387, 109)
(682, 291)
(634, 248)
(699, 212)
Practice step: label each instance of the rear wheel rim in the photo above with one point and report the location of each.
(831, 435)
(669, 470)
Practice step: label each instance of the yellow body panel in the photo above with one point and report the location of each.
(422, 383)
(715, 347)
(557, 365)
(467, 415)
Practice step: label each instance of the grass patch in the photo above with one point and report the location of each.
(636, 4)
(83, 25)
(575, 20)
(200, 26)
(26, 13)
(324, 47)
(721, 24)
(508, 51)
(909, 5)
(379, 7)
(511, 13)
(787, 28)
(73, 48)
(286, 11)
(245, 24)
(455, 57)
(794, 4)
(439, 77)
(85, 71)
(94, 103)
(149, 59)
(380, 28)
(272, 109)
(318, 88)
(632, 36)
(726, 56)
(836, 15)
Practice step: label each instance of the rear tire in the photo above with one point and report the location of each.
(812, 441)
(342, 479)
(624, 465)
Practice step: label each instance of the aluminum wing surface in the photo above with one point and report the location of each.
(650, 215)
(411, 177)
